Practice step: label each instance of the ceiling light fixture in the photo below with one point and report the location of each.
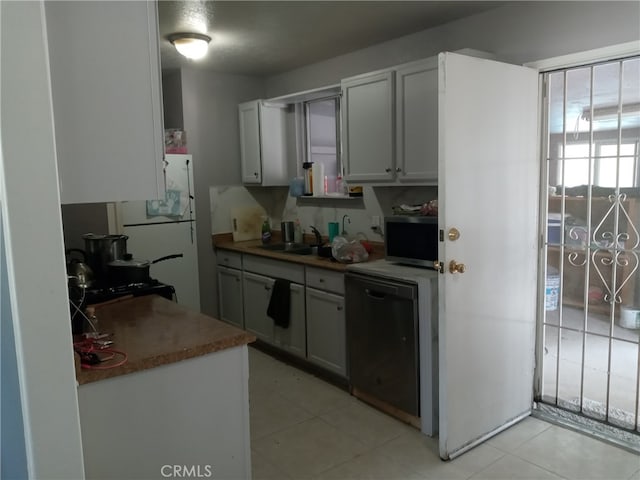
(191, 45)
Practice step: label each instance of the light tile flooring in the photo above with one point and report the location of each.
(305, 428)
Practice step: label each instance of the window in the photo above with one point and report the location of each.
(322, 135)
(605, 165)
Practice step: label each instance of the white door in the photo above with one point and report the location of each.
(488, 190)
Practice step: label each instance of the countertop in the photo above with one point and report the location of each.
(154, 331)
(252, 247)
(394, 271)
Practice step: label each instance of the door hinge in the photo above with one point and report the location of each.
(441, 235)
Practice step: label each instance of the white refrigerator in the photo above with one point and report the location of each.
(157, 228)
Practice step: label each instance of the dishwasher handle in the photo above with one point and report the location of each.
(375, 294)
(379, 289)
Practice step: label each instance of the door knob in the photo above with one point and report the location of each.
(455, 267)
(453, 234)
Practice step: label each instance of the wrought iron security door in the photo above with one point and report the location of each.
(590, 360)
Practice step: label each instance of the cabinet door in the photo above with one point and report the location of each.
(257, 293)
(368, 127)
(417, 121)
(294, 337)
(249, 114)
(273, 148)
(230, 295)
(326, 337)
(107, 105)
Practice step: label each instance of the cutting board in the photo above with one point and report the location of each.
(246, 223)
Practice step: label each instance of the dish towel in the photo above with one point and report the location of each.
(279, 306)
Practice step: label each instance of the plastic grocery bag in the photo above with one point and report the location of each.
(345, 251)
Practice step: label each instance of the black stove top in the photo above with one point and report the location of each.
(104, 293)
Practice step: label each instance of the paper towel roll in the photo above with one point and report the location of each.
(318, 179)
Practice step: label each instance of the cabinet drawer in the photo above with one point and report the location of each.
(229, 259)
(274, 268)
(325, 280)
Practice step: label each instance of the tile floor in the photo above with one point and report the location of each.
(305, 428)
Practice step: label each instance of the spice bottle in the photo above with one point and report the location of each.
(308, 178)
(266, 231)
(341, 186)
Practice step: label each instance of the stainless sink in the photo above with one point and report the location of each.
(292, 248)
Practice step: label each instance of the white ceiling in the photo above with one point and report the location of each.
(270, 37)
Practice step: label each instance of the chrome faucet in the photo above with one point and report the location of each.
(344, 232)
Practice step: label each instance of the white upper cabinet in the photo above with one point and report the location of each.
(250, 162)
(390, 125)
(263, 150)
(368, 127)
(417, 121)
(107, 100)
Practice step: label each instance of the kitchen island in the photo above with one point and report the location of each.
(179, 405)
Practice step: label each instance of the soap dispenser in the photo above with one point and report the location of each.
(266, 231)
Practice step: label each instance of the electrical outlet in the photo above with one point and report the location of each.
(375, 221)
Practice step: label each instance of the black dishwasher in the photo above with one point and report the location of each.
(382, 334)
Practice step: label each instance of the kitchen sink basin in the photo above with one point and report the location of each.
(292, 248)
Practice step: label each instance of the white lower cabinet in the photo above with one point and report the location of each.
(316, 330)
(257, 290)
(293, 339)
(230, 295)
(326, 334)
(257, 294)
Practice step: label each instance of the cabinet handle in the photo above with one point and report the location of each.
(398, 169)
(321, 280)
(267, 288)
(387, 169)
(339, 308)
(255, 174)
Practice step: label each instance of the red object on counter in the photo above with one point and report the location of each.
(367, 246)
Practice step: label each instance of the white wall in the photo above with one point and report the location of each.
(13, 455)
(81, 218)
(210, 110)
(280, 207)
(172, 99)
(30, 202)
(516, 33)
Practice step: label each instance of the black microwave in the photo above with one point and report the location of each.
(411, 240)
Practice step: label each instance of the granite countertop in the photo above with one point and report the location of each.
(252, 247)
(154, 331)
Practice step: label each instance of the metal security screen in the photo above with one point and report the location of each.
(591, 320)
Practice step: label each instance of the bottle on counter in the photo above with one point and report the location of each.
(266, 231)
